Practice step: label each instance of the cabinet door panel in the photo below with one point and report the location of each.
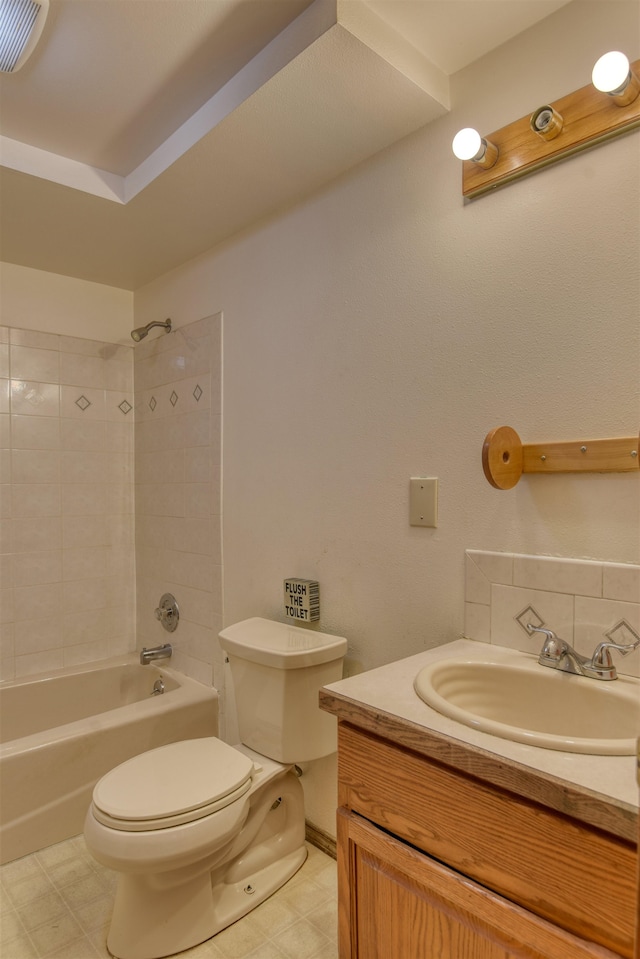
(405, 905)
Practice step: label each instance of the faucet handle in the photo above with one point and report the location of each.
(602, 655)
(553, 647)
(549, 633)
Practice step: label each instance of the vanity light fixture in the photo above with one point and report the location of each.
(612, 74)
(21, 23)
(607, 108)
(469, 145)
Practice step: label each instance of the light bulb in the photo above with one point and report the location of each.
(467, 144)
(613, 75)
(610, 72)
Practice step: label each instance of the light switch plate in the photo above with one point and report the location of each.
(423, 501)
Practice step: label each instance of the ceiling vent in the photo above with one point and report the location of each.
(21, 23)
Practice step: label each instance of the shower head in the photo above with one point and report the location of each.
(142, 331)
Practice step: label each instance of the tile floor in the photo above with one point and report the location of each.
(57, 903)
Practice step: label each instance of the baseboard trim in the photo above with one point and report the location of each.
(318, 837)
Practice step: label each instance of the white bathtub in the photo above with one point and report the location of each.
(62, 732)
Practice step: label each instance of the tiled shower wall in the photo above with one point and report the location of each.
(583, 601)
(66, 523)
(178, 536)
(68, 566)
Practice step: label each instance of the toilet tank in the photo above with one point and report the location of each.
(277, 671)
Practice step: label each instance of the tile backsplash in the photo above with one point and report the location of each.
(583, 601)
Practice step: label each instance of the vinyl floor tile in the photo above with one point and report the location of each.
(56, 904)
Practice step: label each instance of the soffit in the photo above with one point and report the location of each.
(141, 134)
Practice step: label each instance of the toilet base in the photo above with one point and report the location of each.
(157, 914)
(171, 926)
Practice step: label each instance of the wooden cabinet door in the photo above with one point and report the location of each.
(397, 903)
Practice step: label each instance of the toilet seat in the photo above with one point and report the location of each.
(172, 785)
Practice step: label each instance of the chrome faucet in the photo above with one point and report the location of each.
(156, 652)
(558, 654)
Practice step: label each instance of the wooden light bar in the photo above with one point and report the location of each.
(588, 117)
(505, 458)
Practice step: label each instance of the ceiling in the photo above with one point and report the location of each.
(143, 132)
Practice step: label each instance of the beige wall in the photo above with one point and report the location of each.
(380, 329)
(35, 300)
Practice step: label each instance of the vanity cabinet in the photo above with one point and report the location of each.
(434, 863)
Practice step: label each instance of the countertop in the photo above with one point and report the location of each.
(599, 790)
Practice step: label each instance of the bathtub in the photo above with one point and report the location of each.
(61, 733)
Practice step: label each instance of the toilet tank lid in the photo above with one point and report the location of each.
(281, 645)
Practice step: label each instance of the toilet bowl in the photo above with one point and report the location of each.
(201, 832)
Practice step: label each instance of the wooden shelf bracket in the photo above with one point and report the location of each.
(505, 458)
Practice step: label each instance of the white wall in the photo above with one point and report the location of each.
(382, 328)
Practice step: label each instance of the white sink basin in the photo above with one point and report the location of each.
(534, 704)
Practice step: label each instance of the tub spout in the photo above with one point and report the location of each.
(156, 652)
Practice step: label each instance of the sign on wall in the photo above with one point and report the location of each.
(302, 599)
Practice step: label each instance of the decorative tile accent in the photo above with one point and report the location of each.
(597, 619)
(88, 404)
(173, 399)
(197, 393)
(529, 617)
(508, 602)
(125, 406)
(623, 634)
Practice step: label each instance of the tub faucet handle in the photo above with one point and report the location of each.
(168, 613)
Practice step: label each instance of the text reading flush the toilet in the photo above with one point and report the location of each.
(302, 599)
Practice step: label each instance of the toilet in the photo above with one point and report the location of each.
(201, 832)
